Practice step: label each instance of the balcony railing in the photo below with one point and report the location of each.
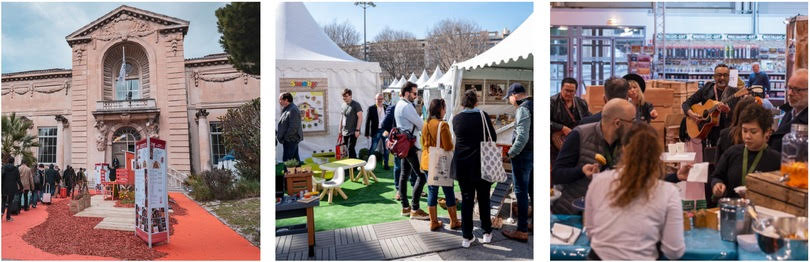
(125, 105)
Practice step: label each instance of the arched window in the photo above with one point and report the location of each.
(123, 140)
(130, 88)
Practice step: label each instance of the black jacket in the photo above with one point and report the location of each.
(559, 116)
(41, 175)
(373, 120)
(69, 177)
(51, 176)
(469, 133)
(11, 180)
(389, 122)
(775, 141)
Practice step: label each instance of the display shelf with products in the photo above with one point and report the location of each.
(688, 57)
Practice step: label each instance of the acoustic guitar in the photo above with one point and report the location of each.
(709, 116)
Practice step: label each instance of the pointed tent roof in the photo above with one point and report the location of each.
(394, 83)
(401, 81)
(299, 37)
(515, 51)
(412, 78)
(168, 22)
(435, 77)
(422, 79)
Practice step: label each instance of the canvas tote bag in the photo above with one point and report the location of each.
(491, 162)
(439, 162)
(341, 149)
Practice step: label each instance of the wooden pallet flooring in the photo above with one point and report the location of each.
(115, 218)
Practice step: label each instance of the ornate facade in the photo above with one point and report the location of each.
(97, 117)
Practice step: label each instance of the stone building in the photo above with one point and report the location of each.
(84, 116)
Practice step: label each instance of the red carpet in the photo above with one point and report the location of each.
(198, 236)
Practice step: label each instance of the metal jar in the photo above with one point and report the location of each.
(734, 219)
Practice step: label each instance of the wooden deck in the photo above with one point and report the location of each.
(115, 218)
(386, 241)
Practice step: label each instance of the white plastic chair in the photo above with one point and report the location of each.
(329, 187)
(368, 169)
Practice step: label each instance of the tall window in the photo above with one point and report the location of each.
(132, 84)
(47, 145)
(217, 143)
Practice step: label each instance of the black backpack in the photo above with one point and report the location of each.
(38, 178)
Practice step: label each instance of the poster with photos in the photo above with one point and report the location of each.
(151, 198)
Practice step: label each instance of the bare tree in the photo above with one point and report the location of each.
(345, 36)
(398, 52)
(455, 40)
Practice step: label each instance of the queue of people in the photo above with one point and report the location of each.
(24, 185)
(632, 208)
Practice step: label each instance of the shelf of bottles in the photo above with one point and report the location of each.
(692, 57)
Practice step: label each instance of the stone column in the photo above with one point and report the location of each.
(61, 139)
(203, 133)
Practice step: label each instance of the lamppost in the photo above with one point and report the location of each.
(365, 5)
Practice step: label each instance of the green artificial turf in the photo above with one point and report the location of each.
(371, 204)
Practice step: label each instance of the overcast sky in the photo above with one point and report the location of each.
(33, 34)
(419, 17)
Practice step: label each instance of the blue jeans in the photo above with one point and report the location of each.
(36, 195)
(433, 196)
(522, 175)
(377, 139)
(397, 170)
(290, 152)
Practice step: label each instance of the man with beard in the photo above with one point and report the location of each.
(577, 162)
(718, 91)
(795, 110)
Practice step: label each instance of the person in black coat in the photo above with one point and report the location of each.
(11, 185)
(51, 178)
(374, 130)
(39, 184)
(566, 111)
(466, 165)
(69, 177)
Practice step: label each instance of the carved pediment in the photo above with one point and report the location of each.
(125, 22)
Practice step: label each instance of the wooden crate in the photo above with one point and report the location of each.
(298, 179)
(595, 96)
(764, 189)
(659, 96)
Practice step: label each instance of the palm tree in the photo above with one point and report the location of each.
(16, 140)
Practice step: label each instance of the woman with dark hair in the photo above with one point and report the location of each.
(436, 128)
(630, 211)
(468, 126)
(732, 135)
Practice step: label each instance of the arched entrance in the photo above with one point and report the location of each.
(124, 141)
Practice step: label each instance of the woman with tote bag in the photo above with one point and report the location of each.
(437, 154)
(470, 130)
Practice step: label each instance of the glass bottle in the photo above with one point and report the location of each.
(794, 156)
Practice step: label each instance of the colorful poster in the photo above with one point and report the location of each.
(312, 105)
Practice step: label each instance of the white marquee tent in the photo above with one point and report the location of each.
(423, 78)
(512, 59)
(303, 51)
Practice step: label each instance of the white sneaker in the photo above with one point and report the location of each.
(466, 242)
(487, 238)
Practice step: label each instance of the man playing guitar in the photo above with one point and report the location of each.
(566, 111)
(718, 91)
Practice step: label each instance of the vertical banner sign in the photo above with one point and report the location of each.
(100, 175)
(151, 197)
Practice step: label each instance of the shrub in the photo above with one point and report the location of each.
(197, 188)
(220, 182)
(240, 129)
(248, 188)
(363, 154)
